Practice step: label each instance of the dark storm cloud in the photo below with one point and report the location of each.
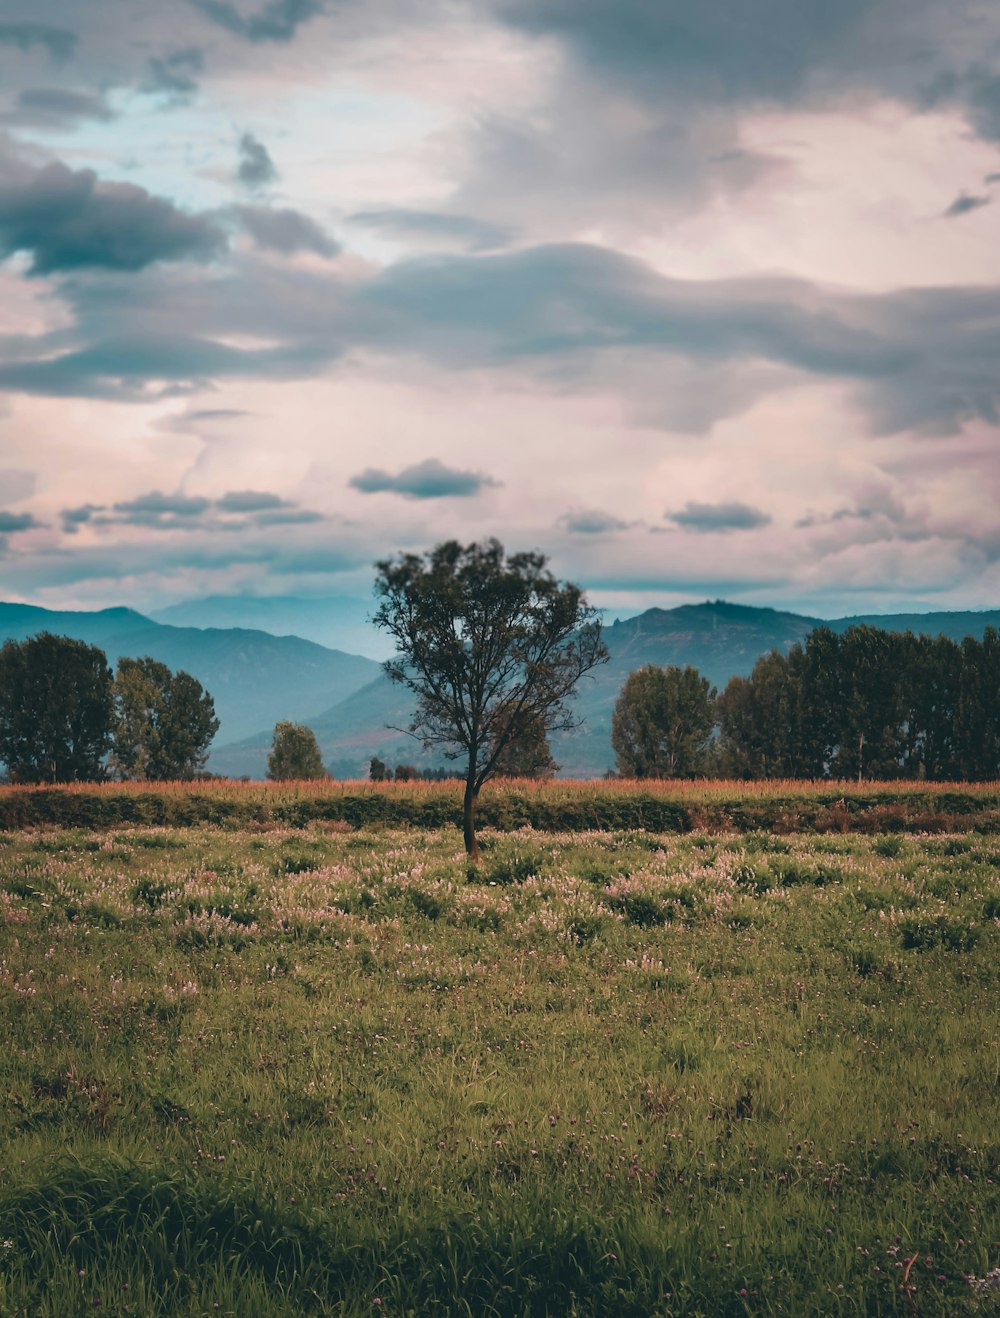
(963, 204)
(11, 522)
(58, 41)
(175, 73)
(592, 522)
(689, 73)
(124, 369)
(570, 316)
(54, 107)
(718, 48)
(256, 168)
(430, 479)
(70, 219)
(278, 20)
(574, 298)
(710, 517)
(285, 231)
(781, 51)
(465, 230)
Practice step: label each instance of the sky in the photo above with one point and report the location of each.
(700, 300)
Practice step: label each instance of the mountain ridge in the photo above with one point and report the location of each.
(257, 678)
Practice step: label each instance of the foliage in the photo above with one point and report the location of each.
(867, 704)
(608, 805)
(288, 1072)
(527, 753)
(294, 753)
(164, 722)
(662, 723)
(489, 645)
(377, 770)
(55, 709)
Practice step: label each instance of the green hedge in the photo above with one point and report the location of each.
(590, 806)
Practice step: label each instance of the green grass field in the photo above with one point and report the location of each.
(267, 1071)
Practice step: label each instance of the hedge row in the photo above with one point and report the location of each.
(592, 808)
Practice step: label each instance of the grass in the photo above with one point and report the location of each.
(333, 1071)
(674, 806)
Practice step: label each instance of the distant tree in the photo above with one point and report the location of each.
(407, 773)
(55, 709)
(294, 753)
(760, 720)
(978, 714)
(378, 770)
(662, 722)
(486, 643)
(527, 754)
(164, 722)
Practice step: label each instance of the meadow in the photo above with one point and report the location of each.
(263, 1070)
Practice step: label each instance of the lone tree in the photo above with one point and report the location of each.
(662, 723)
(164, 722)
(55, 709)
(294, 753)
(488, 644)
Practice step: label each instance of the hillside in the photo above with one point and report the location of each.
(719, 639)
(257, 678)
(254, 678)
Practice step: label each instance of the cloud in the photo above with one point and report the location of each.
(74, 518)
(58, 41)
(70, 220)
(250, 501)
(174, 73)
(278, 20)
(963, 204)
(991, 178)
(11, 522)
(54, 107)
(157, 509)
(592, 522)
(710, 517)
(645, 104)
(437, 226)
(286, 231)
(256, 168)
(235, 511)
(567, 317)
(430, 479)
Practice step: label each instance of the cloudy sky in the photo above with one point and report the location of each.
(702, 300)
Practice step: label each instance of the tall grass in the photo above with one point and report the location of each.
(322, 1071)
(678, 805)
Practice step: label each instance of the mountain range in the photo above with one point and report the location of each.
(257, 678)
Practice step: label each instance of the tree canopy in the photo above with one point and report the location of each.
(55, 709)
(662, 722)
(294, 753)
(867, 703)
(164, 722)
(487, 643)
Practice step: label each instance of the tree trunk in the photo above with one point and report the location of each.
(469, 822)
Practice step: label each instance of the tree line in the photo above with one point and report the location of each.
(492, 647)
(865, 703)
(65, 717)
